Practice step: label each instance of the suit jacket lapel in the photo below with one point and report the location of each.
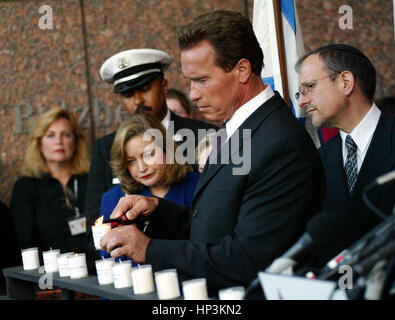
(380, 157)
(336, 168)
(252, 123)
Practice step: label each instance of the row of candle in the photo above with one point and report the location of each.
(68, 264)
(121, 274)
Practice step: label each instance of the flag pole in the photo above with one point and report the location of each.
(281, 49)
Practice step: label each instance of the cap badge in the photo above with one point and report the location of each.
(123, 63)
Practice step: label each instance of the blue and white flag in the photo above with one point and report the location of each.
(265, 29)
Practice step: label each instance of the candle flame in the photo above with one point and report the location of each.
(99, 221)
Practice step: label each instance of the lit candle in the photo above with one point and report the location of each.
(99, 230)
(63, 264)
(50, 258)
(195, 289)
(104, 271)
(77, 266)
(167, 284)
(121, 273)
(30, 259)
(143, 281)
(232, 293)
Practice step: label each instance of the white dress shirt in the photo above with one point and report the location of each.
(166, 120)
(247, 109)
(362, 135)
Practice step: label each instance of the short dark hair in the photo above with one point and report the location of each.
(230, 33)
(339, 58)
(180, 96)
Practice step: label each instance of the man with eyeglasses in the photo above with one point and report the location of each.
(336, 87)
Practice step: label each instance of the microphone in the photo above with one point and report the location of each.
(385, 178)
(380, 181)
(360, 250)
(321, 231)
(383, 253)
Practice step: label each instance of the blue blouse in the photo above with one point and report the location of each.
(181, 193)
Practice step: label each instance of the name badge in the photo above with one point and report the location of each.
(77, 225)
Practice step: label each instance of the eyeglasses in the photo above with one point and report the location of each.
(308, 87)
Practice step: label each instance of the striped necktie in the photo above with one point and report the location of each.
(350, 166)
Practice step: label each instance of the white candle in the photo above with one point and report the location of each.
(167, 284)
(195, 289)
(231, 293)
(77, 266)
(50, 258)
(98, 231)
(104, 271)
(63, 264)
(143, 281)
(30, 259)
(121, 273)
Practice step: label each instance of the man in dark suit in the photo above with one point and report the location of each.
(138, 76)
(247, 210)
(337, 85)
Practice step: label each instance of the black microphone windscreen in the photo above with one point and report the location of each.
(325, 228)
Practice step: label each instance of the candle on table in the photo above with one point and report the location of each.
(104, 271)
(231, 293)
(50, 258)
(167, 284)
(30, 259)
(143, 281)
(77, 266)
(195, 289)
(99, 230)
(121, 273)
(63, 264)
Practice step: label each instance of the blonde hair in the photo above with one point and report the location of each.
(137, 125)
(34, 162)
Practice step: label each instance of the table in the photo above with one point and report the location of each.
(21, 285)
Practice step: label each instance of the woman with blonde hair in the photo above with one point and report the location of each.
(47, 202)
(144, 158)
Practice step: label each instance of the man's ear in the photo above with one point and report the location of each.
(347, 82)
(165, 85)
(244, 70)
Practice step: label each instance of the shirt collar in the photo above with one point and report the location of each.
(363, 132)
(242, 113)
(166, 120)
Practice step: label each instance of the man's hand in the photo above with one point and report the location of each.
(135, 205)
(126, 240)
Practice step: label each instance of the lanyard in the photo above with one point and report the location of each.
(76, 209)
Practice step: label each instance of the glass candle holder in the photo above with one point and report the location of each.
(143, 280)
(104, 271)
(167, 284)
(77, 266)
(50, 258)
(195, 289)
(30, 259)
(232, 293)
(121, 273)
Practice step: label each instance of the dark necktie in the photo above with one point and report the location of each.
(350, 166)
